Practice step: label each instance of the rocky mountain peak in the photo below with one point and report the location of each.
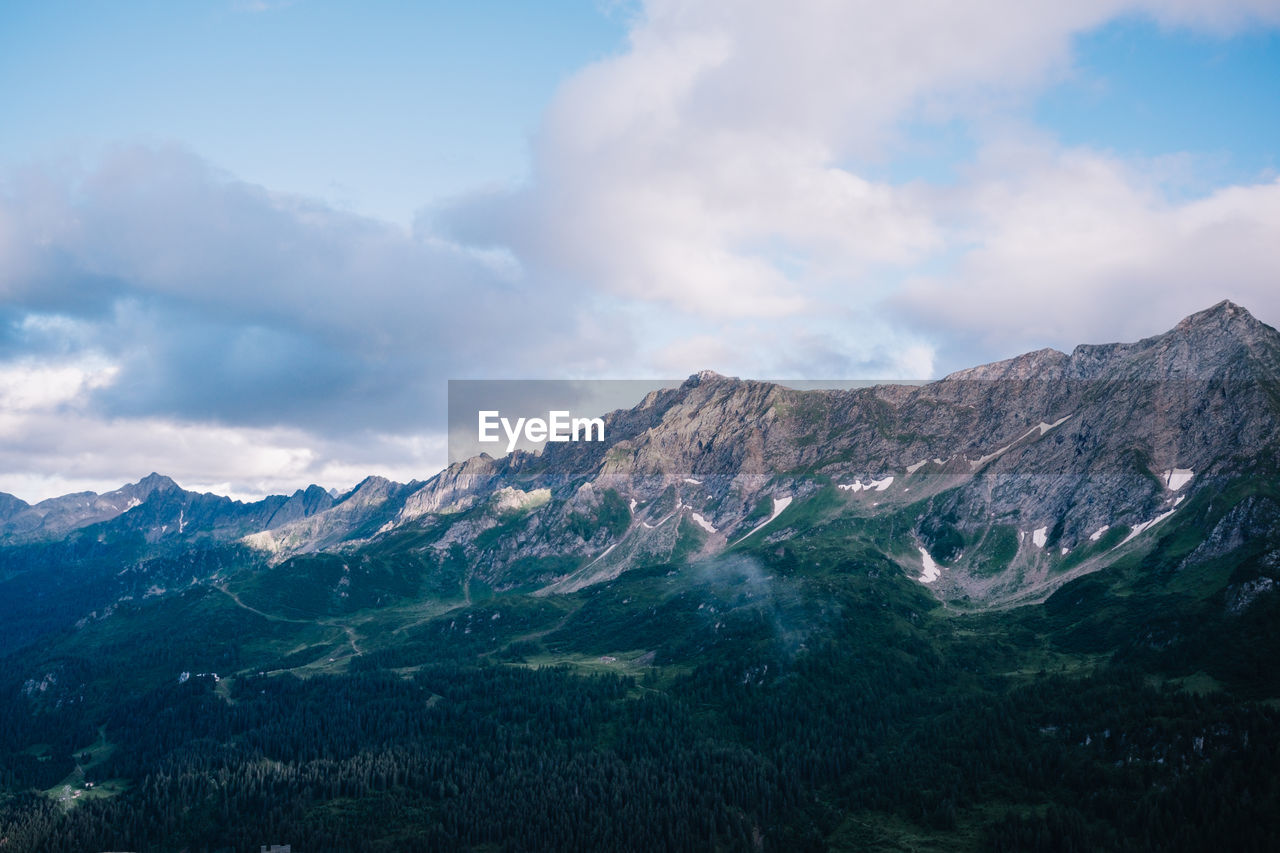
(1225, 337)
(9, 504)
(706, 377)
(1225, 328)
(1045, 364)
(55, 516)
(369, 487)
(153, 482)
(313, 499)
(1225, 314)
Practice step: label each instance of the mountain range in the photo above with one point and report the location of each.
(1013, 477)
(1106, 511)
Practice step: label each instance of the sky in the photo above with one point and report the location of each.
(246, 243)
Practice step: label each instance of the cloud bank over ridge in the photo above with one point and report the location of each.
(723, 192)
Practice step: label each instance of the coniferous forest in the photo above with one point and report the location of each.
(794, 700)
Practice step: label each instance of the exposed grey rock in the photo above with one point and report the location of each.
(52, 518)
(1241, 597)
(1042, 452)
(1055, 445)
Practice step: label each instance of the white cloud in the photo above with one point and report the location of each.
(31, 386)
(1216, 17)
(700, 200)
(1074, 246)
(710, 171)
(48, 453)
(218, 300)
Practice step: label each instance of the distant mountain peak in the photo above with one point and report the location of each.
(373, 488)
(154, 482)
(1226, 308)
(1226, 316)
(707, 376)
(373, 481)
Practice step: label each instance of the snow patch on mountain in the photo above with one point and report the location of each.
(604, 554)
(859, 486)
(702, 522)
(779, 504)
(975, 464)
(1147, 525)
(1042, 428)
(931, 569)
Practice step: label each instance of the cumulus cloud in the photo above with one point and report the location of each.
(1073, 246)
(48, 453)
(53, 441)
(221, 301)
(712, 196)
(712, 170)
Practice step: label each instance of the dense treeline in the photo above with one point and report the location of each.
(460, 756)
(454, 757)
(782, 712)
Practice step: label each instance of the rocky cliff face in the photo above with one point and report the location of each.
(358, 513)
(996, 483)
(1012, 476)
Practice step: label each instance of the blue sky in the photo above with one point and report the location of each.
(380, 106)
(385, 108)
(247, 243)
(1141, 91)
